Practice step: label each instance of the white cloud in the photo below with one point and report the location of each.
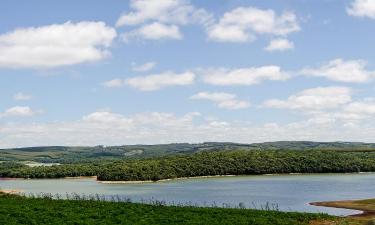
(146, 10)
(114, 83)
(18, 111)
(106, 117)
(362, 8)
(314, 99)
(364, 108)
(154, 31)
(165, 11)
(161, 19)
(223, 100)
(22, 97)
(109, 128)
(340, 70)
(244, 23)
(351, 114)
(55, 45)
(159, 81)
(229, 34)
(144, 67)
(244, 76)
(279, 44)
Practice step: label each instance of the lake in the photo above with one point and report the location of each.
(289, 192)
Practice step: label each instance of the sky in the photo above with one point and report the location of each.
(165, 71)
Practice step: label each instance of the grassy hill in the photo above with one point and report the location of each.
(68, 154)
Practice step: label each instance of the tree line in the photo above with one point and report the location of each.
(205, 164)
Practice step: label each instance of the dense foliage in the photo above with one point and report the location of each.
(240, 163)
(21, 210)
(66, 154)
(207, 164)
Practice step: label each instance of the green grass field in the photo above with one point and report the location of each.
(21, 210)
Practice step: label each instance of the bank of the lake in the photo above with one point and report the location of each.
(284, 192)
(215, 163)
(366, 206)
(170, 179)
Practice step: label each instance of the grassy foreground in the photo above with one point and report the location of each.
(21, 210)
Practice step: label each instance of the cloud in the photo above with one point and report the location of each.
(158, 81)
(164, 11)
(351, 114)
(353, 71)
(328, 106)
(55, 45)
(18, 111)
(105, 117)
(362, 8)
(102, 127)
(108, 128)
(244, 76)
(223, 100)
(243, 24)
(114, 83)
(153, 82)
(362, 108)
(154, 31)
(311, 100)
(22, 97)
(161, 19)
(279, 45)
(144, 67)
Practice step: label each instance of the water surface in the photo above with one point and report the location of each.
(289, 192)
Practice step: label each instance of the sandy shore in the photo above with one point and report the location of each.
(366, 207)
(14, 191)
(11, 178)
(82, 177)
(349, 204)
(163, 180)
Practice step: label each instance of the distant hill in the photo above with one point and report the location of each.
(66, 154)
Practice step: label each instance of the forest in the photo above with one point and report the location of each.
(241, 162)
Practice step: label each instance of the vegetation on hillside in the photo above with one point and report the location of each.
(63, 154)
(22, 210)
(205, 164)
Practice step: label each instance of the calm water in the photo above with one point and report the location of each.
(290, 192)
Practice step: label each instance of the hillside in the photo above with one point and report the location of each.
(67, 154)
(216, 163)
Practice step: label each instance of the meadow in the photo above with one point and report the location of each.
(16, 209)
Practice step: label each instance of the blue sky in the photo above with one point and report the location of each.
(126, 72)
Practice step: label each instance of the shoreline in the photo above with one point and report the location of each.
(180, 178)
(80, 177)
(11, 191)
(12, 178)
(163, 180)
(366, 211)
(217, 176)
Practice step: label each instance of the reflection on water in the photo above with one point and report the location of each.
(287, 192)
